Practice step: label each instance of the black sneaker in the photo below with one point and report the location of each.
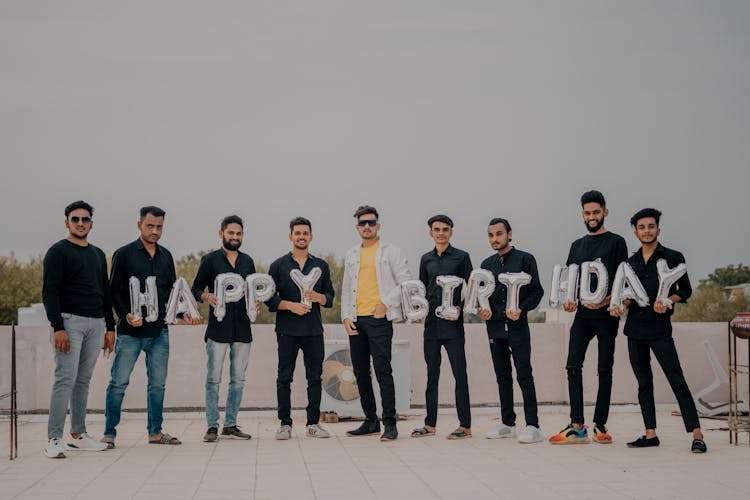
(368, 427)
(211, 435)
(235, 431)
(390, 433)
(699, 446)
(644, 442)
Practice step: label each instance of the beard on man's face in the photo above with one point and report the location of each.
(232, 245)
(595, 227)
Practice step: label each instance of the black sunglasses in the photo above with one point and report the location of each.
(75, 219)
(367, 222)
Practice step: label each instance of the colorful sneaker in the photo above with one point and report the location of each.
(601, 435)
(571, 435)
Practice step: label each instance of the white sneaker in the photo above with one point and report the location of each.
(530, 434)
(284, 432)
(54, 449)
(316, 431)
(84, 442)
(501, 431)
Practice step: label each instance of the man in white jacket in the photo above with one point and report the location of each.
(370, 301)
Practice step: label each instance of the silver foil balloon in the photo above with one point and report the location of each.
(480, 286)
(181, 300)
(514, 282)
(667, 278)
(228, 287)
(148, 299)
(627, 286)
(260, 288)
(589, 269)
(446, 309)
(305, 282)
(413, 302)
(564, 285)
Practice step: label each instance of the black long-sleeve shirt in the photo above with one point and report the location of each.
(75, 282)
(134, 260)
(611, 249)
(644, 322)
(235, 327)
(529, 296)
(288, 323)
(452, 262)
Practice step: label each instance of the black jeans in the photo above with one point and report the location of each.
(666, 354)
(581, 333)
(312, 354)
(457, 358)
(374, 338)
(517, 345)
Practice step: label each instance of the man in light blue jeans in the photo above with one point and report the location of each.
(239, 354)
(79, 308)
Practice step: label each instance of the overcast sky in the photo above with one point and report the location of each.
(473, 109)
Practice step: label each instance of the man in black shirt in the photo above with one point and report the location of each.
(448, 332)
(299, 326)
(649, 329)
(232, 333)
(141, 259)
(592, 320)
(77, 301)
(509, 333)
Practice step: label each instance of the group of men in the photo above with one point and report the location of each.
(79, 299)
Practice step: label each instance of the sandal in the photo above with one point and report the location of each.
(165, 439)
(699, 446)
(459, 434)
(422, 432)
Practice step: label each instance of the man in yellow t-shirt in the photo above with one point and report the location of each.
(370, 300)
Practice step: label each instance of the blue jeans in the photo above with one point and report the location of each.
(73, 371)
(239, 354)
(127, 350)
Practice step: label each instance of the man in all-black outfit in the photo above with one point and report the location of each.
(79, 307)
(592, 320)
(649, 329)
(232, 333)
(509, 332)
(448, 333)
(299, 326)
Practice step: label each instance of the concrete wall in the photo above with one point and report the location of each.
(185, 385)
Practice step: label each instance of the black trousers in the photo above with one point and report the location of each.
(374, 339)
(457, 357)
(581, 333)
(666, 354)
(312, 354)
(517, 346)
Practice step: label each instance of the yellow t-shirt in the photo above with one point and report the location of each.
(368, 293)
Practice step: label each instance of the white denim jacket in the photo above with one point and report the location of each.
(391, 269)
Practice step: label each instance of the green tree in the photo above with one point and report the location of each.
(20, 286)
(710, 303)
(728, 276)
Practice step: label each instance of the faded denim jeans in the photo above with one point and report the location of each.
(239, 354)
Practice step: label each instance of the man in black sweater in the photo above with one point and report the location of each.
(592, 320)
(77, 301)
(299, 326)
(649, 329)
(509, 334)
(444, 332)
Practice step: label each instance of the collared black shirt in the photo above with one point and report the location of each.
(644, 322)
(529, 296)
(235, 327)
(288, 323)
(452, 262)
(134, 260)
(611, 249)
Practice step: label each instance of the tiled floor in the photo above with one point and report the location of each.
(346, 467)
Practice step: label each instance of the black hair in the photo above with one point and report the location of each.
(593, 197)
(364, 210)
(645, 213)
(500, 220)
(299, 221)
(79, 204)
(231, 219)
(153, 210)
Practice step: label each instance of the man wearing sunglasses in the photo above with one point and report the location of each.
(370, 300)
(77, 301)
